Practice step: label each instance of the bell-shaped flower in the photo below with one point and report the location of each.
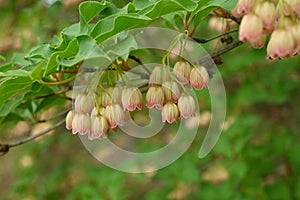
(171, 90)
(115, 115)
(99, 127)
(186, 106)
(158, 76)
(267, 12)
(69, 119)
(282, 44)
(199, 78)
(132, 99)
(251, 28)
(170, 113)
(81, 123)
(84, 103)
(155, 97)
(182, 71)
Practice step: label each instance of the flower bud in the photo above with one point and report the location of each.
(170, 113)
(251, 28)
(115, 115)
(171, 91)
(84, 103)
(267, 12)
(69, 119)
(158, 76)
(186, 106)
(182, 71)
(282, 44)
(132, 99)
(99, 127)
(199, 78)
(155, 97)
(81, 123)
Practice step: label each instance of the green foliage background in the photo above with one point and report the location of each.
(256, 157)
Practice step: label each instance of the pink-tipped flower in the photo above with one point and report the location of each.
(115, 115)
(267, 12)
(182, 71)
(199, 78)
(171, 90)
(170, 113)
(186, 106)
(218, 24)
(260, 43)
(81, 124)
(245, 6)
(84, 103)
(132, 99)
(155, 97)
(69, 119)
(251, 28)
(282, 44)
(158, 76)
(99, 127)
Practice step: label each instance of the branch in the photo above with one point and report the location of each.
(4, 148)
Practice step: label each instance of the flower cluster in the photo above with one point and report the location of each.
(98, 113)
(278, 18)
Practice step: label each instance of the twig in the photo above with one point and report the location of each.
(139, 61)
(4, 148)
(215, 37)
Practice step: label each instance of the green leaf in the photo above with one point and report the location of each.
(70, 51)
(122, 48)
(88, 11)
(11, 87)
(17, 72)
(38, 71)
(43, 51)
(202, 13)
(226, 4)
(88, 48)
(167, 6)
(6, 108)
(115, 24)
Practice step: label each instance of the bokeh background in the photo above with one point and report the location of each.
(256, 157)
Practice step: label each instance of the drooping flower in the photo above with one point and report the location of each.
(282, 44)
(84, 103)
(186, 106)
(295, 30)
(99, 127)
(115, 115)
(81, 123)
(171, 91)
(291, 6)
(155, 97)
(170, 113)
(158, 76)
(267, 12)
(96, 111)
(251, 28)
(132, 99)
(182, 71)
(69, 119)
(199, 78)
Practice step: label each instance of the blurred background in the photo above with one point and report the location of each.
(256, 157)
